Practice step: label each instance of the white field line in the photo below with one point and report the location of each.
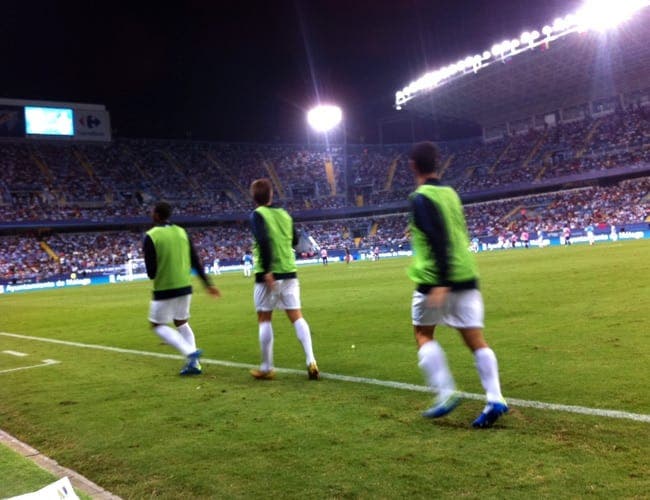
(15, 353)
(46, 362)
(523, 403)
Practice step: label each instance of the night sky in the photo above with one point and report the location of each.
(246, 70)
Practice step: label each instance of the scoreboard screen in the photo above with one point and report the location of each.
(49, 121)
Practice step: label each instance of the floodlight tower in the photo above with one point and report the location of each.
(325, 118)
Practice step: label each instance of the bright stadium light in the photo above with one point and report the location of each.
(324, 118)
(602, 15)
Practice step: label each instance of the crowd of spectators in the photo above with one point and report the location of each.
(61, 181)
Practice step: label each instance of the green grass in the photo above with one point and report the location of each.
(569, 326)
(25, 476)
(20, 475)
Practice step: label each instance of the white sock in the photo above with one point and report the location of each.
(174, 339)
(266, 345)
(488, 371)
(304, 336)
(188, 335)
(433, 363)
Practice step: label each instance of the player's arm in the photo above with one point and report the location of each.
(261, 236)
(150, 259)
(198, 267)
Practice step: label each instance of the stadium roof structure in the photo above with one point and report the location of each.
(570, 71)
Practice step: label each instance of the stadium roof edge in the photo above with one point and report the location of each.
(51, 104)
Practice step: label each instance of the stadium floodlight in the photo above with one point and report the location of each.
(597, 15)
(324, 118)
(602, 15)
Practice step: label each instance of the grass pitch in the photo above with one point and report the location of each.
(569, 326)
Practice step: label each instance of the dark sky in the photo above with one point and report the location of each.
(245, 70)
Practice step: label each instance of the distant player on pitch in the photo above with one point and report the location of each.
(323, 255)
(247, 260)
(170, 257)
(446, 279)
(276, 282)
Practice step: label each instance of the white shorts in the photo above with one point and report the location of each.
(162, 312)
(464, 309)
(285, 295)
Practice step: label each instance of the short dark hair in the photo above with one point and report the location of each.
(425, 157)
(163, 209)
(261, 191)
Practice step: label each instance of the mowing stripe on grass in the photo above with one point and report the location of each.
(523, 403)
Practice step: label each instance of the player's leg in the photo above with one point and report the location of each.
(303, 333)
(431, 357)
(264, 304)
(181, 321)
(289, 300)
(465, 313)
(172, 337)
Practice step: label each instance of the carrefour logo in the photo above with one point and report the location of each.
(89, 121)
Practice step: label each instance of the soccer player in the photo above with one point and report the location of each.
(613, 235)
(169, 258)
(348, 255)
(540, 237)
(590, 233)
(276, 282)
(566, 235)
(323, 255)
(247, 259)
(446, 279)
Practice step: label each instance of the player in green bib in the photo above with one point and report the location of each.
(446, 278)
(170, 257)
(276, 281)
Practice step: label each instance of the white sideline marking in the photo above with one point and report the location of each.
(15, 353)
(523, 403)
(46, 362)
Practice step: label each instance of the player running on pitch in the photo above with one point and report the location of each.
(446, 279)
(170, 257)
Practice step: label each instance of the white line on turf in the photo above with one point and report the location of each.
(523, 403)
(15, 353)
(46, 362)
